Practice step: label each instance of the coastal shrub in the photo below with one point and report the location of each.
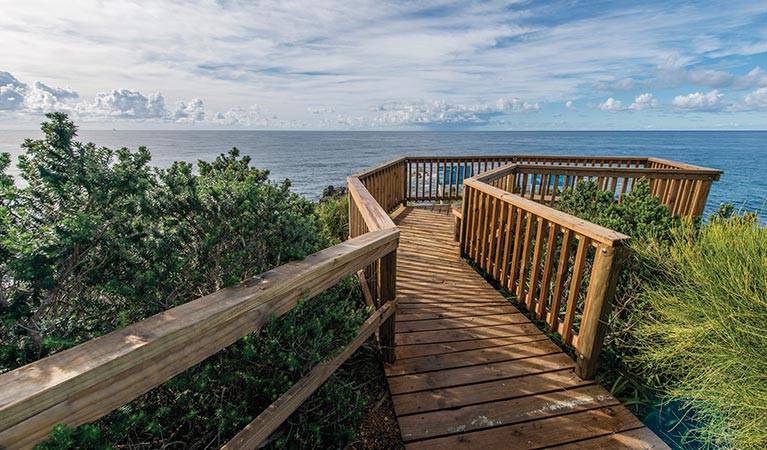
(98, 239)
(650, 225)
(704, 344)
(333, 213)
(209, 403)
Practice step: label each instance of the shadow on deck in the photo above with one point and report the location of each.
(473, 372)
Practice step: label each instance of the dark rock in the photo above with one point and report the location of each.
(331, 193)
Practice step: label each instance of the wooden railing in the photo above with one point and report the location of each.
(86, 382)
(544, 257)
(683, 188)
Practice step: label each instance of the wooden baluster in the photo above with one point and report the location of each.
(525, 263)
(579, 266)
(387, 291)
(543, 293)
(536, 265)
(604, 277)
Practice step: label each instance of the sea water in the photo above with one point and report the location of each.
(315, 159)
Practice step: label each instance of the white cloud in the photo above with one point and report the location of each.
(611, 105)
(644, 101)
(756, 100)
(697, 101)
(124, 104)
(570, 105)
(58, 93)
(191, 112)
(443, 112)
(11, 98)
(19, 97)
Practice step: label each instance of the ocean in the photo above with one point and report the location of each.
(315, 159)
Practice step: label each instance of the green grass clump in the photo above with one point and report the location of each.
(705, 344)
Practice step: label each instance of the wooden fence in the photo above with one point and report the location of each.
(563, 269)
(683, 188)
(86, 382)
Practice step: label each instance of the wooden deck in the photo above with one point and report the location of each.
(473, 372)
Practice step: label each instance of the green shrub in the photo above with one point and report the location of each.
(334, 217)
(649, 224)
(98, 239)
(705, 344)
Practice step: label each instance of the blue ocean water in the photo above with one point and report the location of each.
(314, 159)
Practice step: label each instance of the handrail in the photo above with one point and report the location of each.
(83, 383)
(542, 256)
(590, 230)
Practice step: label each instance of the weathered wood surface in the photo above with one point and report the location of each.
(85, 382)
(268, 421)
(471, 372)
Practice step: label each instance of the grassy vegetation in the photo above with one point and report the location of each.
(705, 344)
(687, 342)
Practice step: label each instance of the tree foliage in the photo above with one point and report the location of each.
(97, 239)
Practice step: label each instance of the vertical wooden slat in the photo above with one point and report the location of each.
(525, 263)
(579, 266)
(536, 265)
(604, 277)
(388, 291)
(543, 293)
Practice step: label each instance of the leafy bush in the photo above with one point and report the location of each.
(705, 344)
(650, 225)
(209, 403)
(98, 240)
(334, 217)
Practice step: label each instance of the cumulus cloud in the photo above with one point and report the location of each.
(191, 112)
(756, 100)
(644, 101)
(570, 105)
(11, 98)
(253, 116)
(697, 101)
(611, 105)
(59, 93)
(442, 112)
(16, 96)
(124, 104)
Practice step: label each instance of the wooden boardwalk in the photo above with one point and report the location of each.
(473, 372)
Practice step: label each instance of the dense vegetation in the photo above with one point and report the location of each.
(97, 239)
(686, 344)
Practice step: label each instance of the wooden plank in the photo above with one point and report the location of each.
(529, 435)
(373, 214)
(85, 382)
(505, 412)
(487, 392)
(477, 374)
(431, 337)
(461, 322)
(270, 419)
(419, 350)
(636, 439)
(472, 357)
(366, 295)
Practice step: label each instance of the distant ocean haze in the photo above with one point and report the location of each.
(315, 159)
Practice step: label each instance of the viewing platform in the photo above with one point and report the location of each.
(472, 372)
(465, 368)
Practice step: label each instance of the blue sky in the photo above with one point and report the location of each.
(505, 65)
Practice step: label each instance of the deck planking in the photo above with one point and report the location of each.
(473, 372)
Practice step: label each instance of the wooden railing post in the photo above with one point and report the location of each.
(604, 278)
(387, 279)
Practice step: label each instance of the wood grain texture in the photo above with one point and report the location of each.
(471, 371)
(85, 382)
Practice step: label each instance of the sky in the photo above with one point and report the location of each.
(405, 65)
